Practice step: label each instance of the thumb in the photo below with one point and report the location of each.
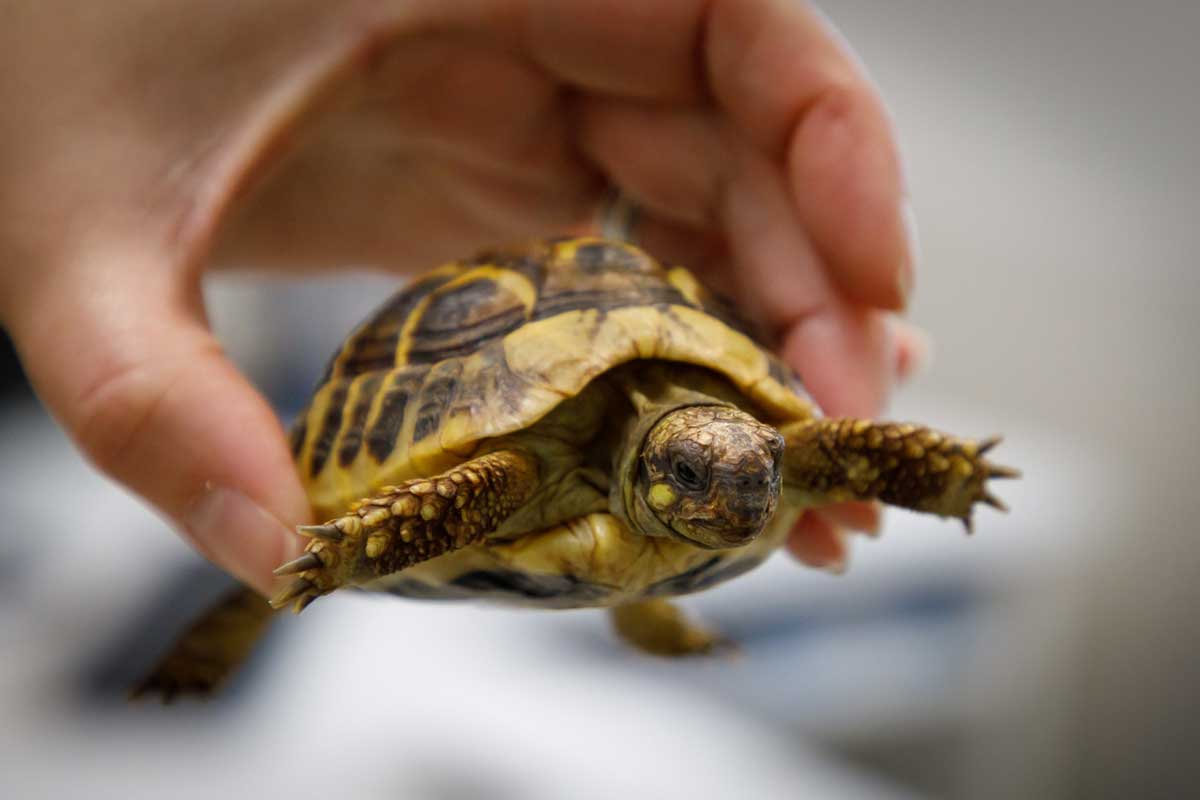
(123, 357)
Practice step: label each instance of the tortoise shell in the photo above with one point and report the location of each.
(485, 347)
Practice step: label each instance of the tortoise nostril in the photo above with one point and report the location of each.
(749, 482)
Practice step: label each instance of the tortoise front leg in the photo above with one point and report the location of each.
(911, 466)
(410, 523)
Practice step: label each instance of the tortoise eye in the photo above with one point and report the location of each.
(689, 475)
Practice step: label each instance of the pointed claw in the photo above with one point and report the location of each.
(304, 562)
(994, 502)
(988, 444)
(303, 603)
(291, 592)
(1002, 473)
(329, 532)
(969, 524)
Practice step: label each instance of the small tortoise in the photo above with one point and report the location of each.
(568, 424)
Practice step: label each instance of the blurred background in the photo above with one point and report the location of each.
(1051, 150)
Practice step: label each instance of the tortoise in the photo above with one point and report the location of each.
(568, 423)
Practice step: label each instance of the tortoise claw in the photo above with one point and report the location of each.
(968, 524)
(987, 444)
(305, 562)
(1002, 473)
(293, 590)
(328, 532)
(994, 502)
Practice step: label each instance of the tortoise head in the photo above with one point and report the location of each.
(710, 475)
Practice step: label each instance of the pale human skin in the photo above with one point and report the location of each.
(143, 143)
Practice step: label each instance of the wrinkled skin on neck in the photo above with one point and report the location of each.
(705, 474)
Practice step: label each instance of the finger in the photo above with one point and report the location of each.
(845, 182)
(131, 371)
(783, 75)
(681, 183)
(678, 51)
(629, 48)
(815, 541)
(845, 359)
(842, 353)
(786, 82)
(864, 517)
(706, 181)
(450, 137)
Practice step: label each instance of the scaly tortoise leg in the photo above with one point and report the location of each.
(659, 628)
(210, 650)
(911, 466)
(410, 523)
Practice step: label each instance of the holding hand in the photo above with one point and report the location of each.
(145, 143)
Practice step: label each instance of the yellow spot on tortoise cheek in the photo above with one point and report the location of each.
(662, 496)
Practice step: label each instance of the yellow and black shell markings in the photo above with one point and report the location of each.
(488, 346)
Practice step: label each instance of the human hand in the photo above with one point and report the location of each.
(146, 142)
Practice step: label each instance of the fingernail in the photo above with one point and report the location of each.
(239, 535)
(912, 237)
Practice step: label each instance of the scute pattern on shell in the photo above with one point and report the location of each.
(488, 346)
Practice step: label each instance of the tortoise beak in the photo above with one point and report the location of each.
(751, 505)
(744, 520)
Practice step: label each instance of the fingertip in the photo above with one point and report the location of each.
(235, 490)
(148, 395)
(817, 542)
(239, 535)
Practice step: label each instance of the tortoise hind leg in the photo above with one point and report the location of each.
(911, 466)
(211, 650)
(410, 523)
(659, 628)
